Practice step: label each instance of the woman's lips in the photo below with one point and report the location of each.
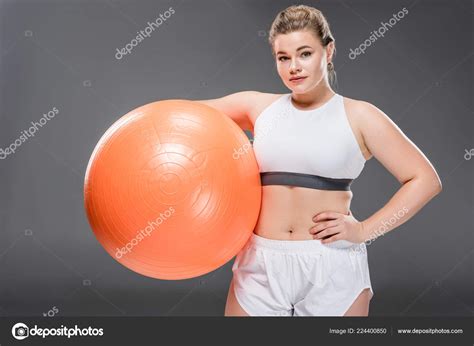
(298, 80)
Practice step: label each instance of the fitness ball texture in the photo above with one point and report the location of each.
(172, 190)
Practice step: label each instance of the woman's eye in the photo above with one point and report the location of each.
(305, 54)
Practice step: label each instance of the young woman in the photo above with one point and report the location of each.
(306, 256)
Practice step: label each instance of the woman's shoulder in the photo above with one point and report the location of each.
(359, 113)
(359, 108)
(356, 105)
(262, 101)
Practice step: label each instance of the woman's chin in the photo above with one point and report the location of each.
(298, 89)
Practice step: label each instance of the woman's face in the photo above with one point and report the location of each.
(300, 53)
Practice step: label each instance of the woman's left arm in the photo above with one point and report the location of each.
(402, 158)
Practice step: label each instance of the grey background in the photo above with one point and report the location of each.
(61, 54)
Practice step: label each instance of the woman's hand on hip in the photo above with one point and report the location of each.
(336, 226)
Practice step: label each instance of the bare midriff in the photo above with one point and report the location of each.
(287, 212)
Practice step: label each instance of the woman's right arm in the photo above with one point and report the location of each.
(237, 106)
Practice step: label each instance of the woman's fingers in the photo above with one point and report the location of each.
(327, 232)
(321, 226)
(337, 236)
(326, 215)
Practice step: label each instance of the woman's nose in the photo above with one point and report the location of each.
(294, 67)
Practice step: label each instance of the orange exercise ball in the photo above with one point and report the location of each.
(172, 190)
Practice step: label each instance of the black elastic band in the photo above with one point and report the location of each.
(305, 180)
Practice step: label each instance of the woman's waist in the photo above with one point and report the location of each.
(296, 204)
(289, 214)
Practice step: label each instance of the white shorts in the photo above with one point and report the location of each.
(299, 277)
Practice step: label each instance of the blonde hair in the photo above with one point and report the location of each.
(302, 17)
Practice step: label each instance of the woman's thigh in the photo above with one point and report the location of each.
(360, 306)
(232, 306)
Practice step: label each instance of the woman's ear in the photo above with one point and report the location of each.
(330, 51)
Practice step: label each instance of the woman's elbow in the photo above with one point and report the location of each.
(439, 186)
(428, 184)
(436, 186)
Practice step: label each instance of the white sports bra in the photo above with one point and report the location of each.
(307, 148)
